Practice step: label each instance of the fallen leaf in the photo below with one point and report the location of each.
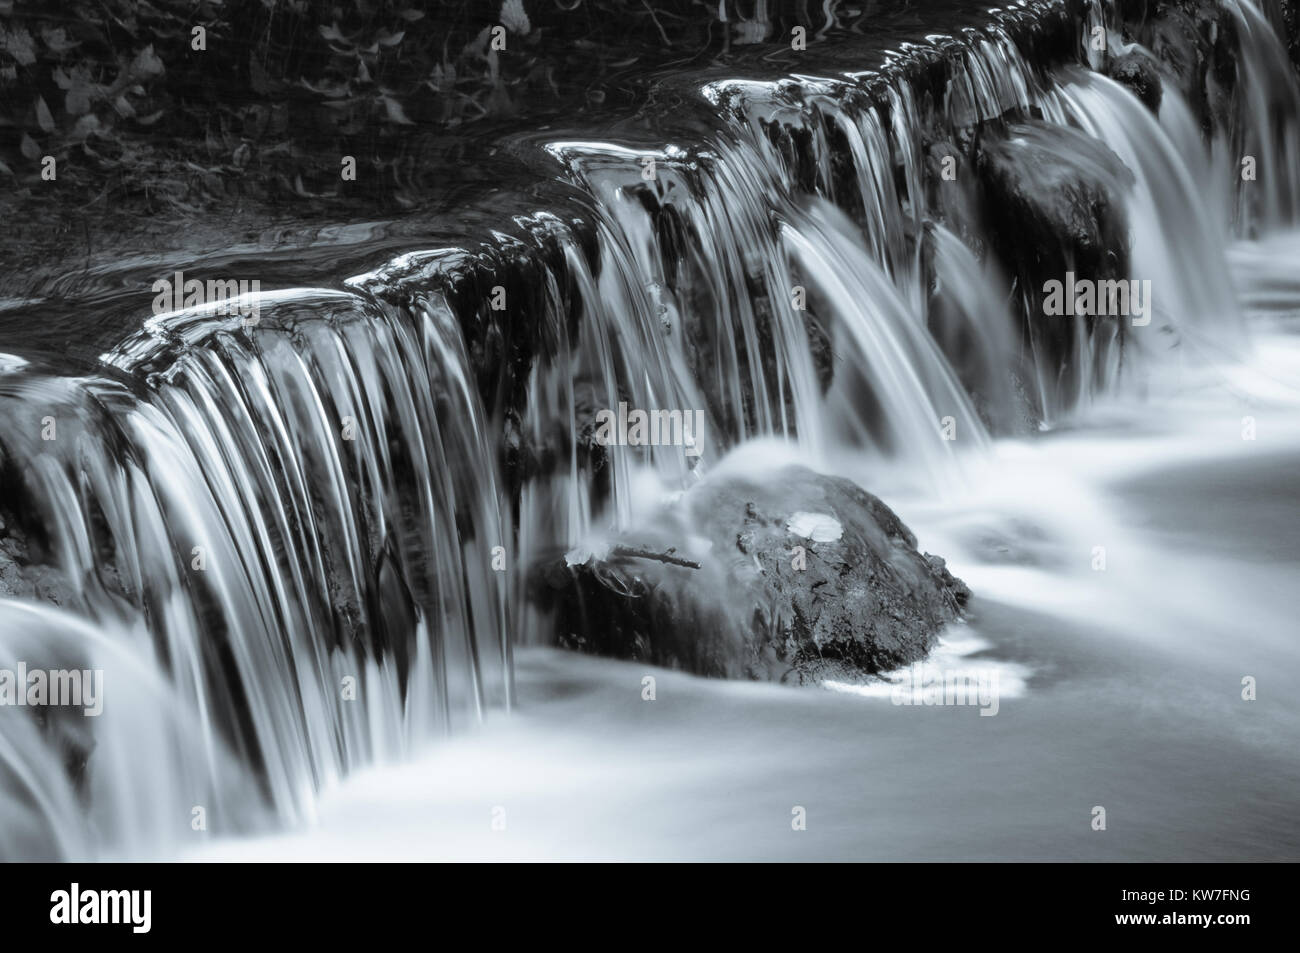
(18, 44)
(147, 64)
(514, 18)
(86, 126)
(77, 101)
(57, 40)
(43, 117)
(395, 111)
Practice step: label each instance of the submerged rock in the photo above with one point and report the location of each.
(790, 576)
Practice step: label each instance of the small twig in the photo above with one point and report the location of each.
(667, 42)
(665, 557)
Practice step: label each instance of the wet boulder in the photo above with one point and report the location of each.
(1139, 73)
(787, 575)
(21, 576)
(1196, 44)
(1290, 16)
(1054, 198)
(1053, 204)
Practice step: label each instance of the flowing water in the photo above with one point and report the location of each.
(1119, 688)
(241, 518)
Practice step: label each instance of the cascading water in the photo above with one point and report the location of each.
(284, 540)
(891, 363)
(293, 520)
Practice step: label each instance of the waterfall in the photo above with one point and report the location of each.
(297, 545)
(295, 524)
(1265, 107)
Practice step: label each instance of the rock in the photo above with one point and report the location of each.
(1052, 200)
(1197, 45)
(1137, 71)
(23, 578)
(530, 456)
(1290, 16)
(801, 576)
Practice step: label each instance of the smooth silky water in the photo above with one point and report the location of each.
(1120, 683)
(1118, 687)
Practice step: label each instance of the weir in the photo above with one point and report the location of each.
(300, 545)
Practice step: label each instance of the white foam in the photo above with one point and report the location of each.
(819, 527)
